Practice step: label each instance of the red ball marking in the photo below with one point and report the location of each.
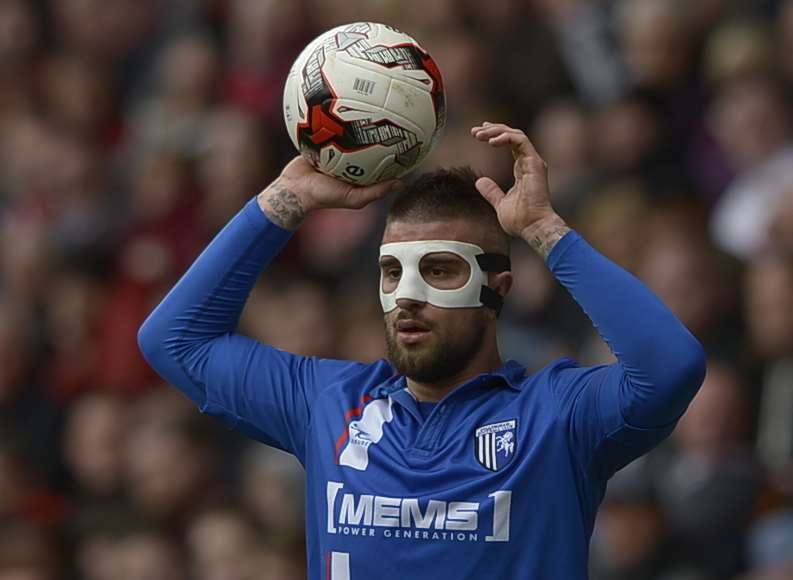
(323, 128)
(434, 72)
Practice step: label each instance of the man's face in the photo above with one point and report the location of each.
(426, 342)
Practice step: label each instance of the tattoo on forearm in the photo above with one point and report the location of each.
(544, 236)
(282, 206)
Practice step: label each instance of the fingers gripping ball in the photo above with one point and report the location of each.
(364, 102)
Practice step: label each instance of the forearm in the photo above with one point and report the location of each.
(544, 234)
(663, 363)
(208, 300)
(282, 206)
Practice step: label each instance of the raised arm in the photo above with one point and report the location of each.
(617, 411)
(190, 337)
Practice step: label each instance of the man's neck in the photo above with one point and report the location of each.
(434, 391)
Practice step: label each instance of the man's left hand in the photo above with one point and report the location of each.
(525, 210)
(528, 201)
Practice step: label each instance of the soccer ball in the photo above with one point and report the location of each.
(364, 102)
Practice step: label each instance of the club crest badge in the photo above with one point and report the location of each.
(495, 444)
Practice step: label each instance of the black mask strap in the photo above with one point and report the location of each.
(492, 263)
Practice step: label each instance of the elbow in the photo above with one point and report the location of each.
(150, 343)
(686, 377)
(168, 357)
(684, 373)
(660, 400)
(691, 365)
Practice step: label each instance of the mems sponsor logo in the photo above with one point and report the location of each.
(372, 515)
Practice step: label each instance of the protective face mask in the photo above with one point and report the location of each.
(473, 293)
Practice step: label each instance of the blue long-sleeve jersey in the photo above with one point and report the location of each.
(501, 480)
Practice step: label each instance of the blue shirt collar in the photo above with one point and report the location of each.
(511, 374)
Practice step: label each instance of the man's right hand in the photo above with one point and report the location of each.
(301, 189)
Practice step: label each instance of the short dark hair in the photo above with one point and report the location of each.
(447, 194)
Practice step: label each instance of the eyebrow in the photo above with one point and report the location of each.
(388, 260)
(433, 258)
(444, 258)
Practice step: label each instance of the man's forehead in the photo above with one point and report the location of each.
(457, 229)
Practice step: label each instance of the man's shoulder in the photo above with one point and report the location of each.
(564, 377)
(344, 377)
(552, 371)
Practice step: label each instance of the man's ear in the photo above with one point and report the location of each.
(501, 282)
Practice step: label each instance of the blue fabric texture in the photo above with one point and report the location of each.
(501, 479)
(425, 408)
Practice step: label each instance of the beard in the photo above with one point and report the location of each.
(443, 356)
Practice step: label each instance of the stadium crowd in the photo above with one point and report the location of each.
(131, 130)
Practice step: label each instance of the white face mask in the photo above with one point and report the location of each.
(473, 293)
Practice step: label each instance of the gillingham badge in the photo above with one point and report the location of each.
(494, 444)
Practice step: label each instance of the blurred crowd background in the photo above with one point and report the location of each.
(131, 130)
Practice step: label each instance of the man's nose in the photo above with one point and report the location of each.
(410, 304)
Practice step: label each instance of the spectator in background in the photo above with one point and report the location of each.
(107, 32)
(541, 327)
(260, 34)
(771, 548)
(658, 41)
(564, 134)
(233, 162)
(698, 282)
(737, 49)
(14, 480)
(29, 419)
(455, 151)
(95, 538)
(627, 138)
(148, 554)
(734, 50)
(655, 37)
(781, 229)
(516, 32)
(769, 314)
(769, 306)
(27, 553)
(225, 545)
(93, 439)
(78, 99)
(173, 119)
(709, 484)
(222, 546)
(615, 219)
(632, 540)
(19, 46)
(72, 313)
(168, 460)
(269, 478)
(359, 309)
(297, 316)
(585, 35)
(784, 37)
(751, 123)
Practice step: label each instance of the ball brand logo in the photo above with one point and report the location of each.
(494, 444)
(372, 515)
